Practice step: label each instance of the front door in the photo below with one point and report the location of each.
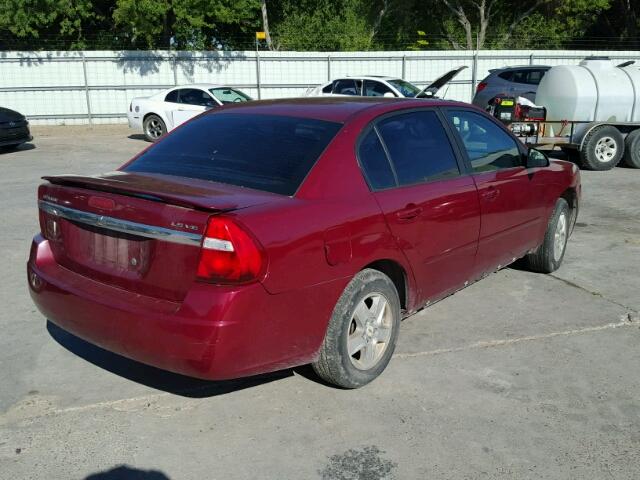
(191, 102)
(511, 199)
(431, 209)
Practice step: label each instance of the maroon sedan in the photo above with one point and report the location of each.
(278, 233)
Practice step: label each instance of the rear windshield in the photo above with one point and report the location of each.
(264, 152)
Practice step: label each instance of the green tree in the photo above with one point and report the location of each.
(63, 20)
(322, 25)
(190, 24)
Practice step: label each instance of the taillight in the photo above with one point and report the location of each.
(481, 86)
(229, 254)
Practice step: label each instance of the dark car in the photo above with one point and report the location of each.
(14, 129)
(278, 233)
(511, 82)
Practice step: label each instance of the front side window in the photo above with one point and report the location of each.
(194, 96)
(488, 146)
(229, 95)
(376, 89)
(346, 86)
(405, 88)
(272, 153)
(419, 147)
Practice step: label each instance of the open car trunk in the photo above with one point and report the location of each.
(139, 232)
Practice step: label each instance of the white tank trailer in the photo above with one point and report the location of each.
(595, 108)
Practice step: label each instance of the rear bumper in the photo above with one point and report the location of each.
(135, 120)
(214, 333)
(6, 139)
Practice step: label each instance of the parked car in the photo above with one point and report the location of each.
(510, 81)
(160, 113)
(379, 86)
(278, 233)
(14, 129)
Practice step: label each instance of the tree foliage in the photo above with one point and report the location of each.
(319, 24)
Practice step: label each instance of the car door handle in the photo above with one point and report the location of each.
(490, 193)
(409, 212)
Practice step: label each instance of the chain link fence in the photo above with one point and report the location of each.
(97, 86)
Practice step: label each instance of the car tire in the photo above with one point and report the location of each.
(602, 148)
(548, 256)
(153, 127)
(366, 319)
(631, 157)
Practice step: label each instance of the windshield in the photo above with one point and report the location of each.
(229, 95)
(405, 88)
(272, 153)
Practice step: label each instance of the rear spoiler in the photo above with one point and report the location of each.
(182, 197)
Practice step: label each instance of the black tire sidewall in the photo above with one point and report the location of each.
(588, 153)
(335, 348)
(632, 149)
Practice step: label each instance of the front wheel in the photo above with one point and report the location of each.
(362, 332)
(154, 128)
(548, 256)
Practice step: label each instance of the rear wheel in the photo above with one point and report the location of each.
(549, 255)
(602, 148)
(632, 150)
(362, 331)
(154, 128)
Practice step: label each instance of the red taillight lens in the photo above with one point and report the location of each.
(229, 254)
(481, 86)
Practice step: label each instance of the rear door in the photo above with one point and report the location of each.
(430, 206)
(191, 102)
(511, 197)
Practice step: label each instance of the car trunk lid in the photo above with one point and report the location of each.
(135, 231)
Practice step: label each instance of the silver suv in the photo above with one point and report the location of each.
(510, 81)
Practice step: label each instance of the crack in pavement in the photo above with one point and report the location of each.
(592, 292)
(128, 404)
(627, 320)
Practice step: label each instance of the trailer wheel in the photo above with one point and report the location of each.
(632, 149)
(602, 148)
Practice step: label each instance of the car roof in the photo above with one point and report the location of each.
(204, 86)
(519, 67)
(330, 108)
(369, 77)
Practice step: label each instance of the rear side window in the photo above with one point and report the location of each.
(265, 152)
(508, 75)
(488, 146)
(375, 163)
(419, 147)
(172, 97)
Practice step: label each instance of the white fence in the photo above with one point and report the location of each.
(97, 86)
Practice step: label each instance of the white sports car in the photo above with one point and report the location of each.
(160, 113)
(379, 86)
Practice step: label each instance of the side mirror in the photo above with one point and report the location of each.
(535, 158)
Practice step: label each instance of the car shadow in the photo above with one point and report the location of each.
(154, 377)
(22, 148)
(124, 472)
(138, 136)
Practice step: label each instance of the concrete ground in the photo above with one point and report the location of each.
(520, 376)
